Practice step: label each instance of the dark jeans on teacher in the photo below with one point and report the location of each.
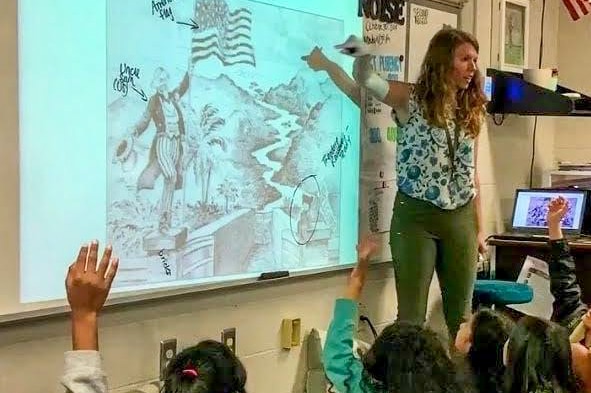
(425, 239)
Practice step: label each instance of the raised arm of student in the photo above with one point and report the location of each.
(567, 308)
(342, 368)
(87, 287)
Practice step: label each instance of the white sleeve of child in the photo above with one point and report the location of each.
(83, 372)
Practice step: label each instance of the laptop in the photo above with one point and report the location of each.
(528, 221)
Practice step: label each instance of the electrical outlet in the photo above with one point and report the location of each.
(167, 352)
(363, 309)
(229, 338)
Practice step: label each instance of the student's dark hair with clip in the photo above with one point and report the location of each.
(208, 367)
(490, 331)
(538, 358)
(407, 358)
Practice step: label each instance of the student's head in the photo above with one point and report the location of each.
(482, 339)
(538, 358)
(450, 83)
(407, 358)
(208, 367)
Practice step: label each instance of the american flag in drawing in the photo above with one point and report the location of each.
(222, 33)
(577, 8)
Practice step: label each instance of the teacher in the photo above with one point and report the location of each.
(436, 218)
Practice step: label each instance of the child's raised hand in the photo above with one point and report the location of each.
(557, 209)
(365, 249)
(87, 284)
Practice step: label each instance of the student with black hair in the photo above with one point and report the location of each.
(208, 367)
(481, 340)
(405, 358)
(568, 308)
(538, 358)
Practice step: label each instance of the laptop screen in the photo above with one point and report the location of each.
(531, 207)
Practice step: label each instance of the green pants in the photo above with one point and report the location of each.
(425, 239)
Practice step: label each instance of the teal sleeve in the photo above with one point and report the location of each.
(342, 368)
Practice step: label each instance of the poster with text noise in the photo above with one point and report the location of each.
(378, 133)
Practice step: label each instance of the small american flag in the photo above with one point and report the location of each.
(222, 33)
(577, 8)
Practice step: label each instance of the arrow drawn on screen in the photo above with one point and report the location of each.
(192, 23)
(143, 95)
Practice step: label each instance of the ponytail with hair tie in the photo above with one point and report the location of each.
(190, 372)
(208, 367)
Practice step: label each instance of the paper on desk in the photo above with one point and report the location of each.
(535, 274)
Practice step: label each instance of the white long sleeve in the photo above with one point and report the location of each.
(83, 372)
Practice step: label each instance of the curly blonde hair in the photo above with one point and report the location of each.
(434, 90)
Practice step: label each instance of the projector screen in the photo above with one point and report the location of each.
(191, 134)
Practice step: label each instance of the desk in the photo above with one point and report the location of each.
(507, 258)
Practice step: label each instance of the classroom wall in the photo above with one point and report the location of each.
(477, 18)
(31, 354)
(511, 143)
(505, 150)
(573, 136)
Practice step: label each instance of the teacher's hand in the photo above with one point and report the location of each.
(354, 46)
(316, 60)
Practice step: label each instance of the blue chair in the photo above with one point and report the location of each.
(492, 293)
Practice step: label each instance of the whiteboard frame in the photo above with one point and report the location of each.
(122, 299)
(12, 310)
